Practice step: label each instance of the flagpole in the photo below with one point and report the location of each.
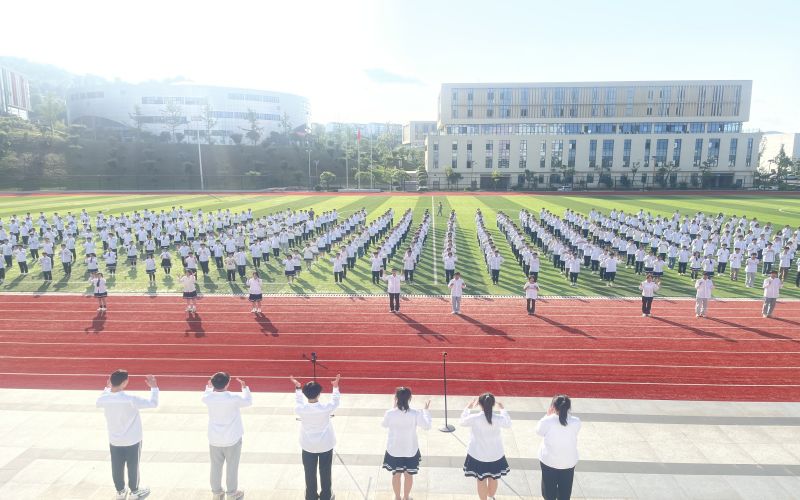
(346, 163)
(371, 176)
(358, 158)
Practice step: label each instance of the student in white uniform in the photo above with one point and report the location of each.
(189, 283)
(772, 288)
(125, 431)
(486, 460)
(750, 270)
(255, 293)
(402, 448)
(393, 289)
(98, 283)
(47, 267)
(225, 431)
(649, 289)
(558, 453)
(531, 288)
(150, 268)
(457, 287)
(704, 288)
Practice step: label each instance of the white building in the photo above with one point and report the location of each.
(414, 132)
(393, 132)
(601, 131)
(771, 145)
(113, 106)
(15, 94)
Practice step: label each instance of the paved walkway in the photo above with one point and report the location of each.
(53, 445)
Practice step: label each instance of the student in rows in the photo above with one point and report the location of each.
(338, 267)
(47, 267)
(166, 261)
(317, 437)
(150, 269)
(611, 269)
(772, 288)
(574, 268)
(255, 294)
(66, 260)
(457, 287)
(695, 265)
(225, 432)
(531, 288)
(110, 258)
(393, 289)
(203, 256)
(750, 270)
(402, 455)
(100, 292)
(449, 266)
(308, 256)
(797, 276)
(704, 288)
(735, 261)
(91, 264)
(230, 268)
(125, 431)
(486, 460)
(22, 259)
(648, 288)
(298, 266)
(2, 271)
(376, 265)
(240, 258)
(495, 261)
(558, 453)
(409, 264)
(189, 284)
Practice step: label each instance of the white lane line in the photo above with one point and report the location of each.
(433, 230)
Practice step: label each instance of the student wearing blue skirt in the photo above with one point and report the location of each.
(486, 460)
(402, 455)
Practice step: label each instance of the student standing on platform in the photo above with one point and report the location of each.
(402, 448)
(486, 460)
(225, 431)
(98, 283)
(558, 453)
(704, 288)
(255, 292)
(393, 288)
(125, 431)
(189, 283)
(457, 287)
(648, 288)
(772, 288)
(531, 288)
(317, 437)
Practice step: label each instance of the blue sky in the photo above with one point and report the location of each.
(359, 60)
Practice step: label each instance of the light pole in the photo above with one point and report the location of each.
(200, 161)
(316, 169)
(308, 148)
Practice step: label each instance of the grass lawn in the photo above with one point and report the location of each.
(779, 210)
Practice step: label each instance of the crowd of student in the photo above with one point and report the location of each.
(485, 458)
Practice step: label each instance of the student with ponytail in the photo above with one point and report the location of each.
(558, 453)
(486, 460)
(402, 449)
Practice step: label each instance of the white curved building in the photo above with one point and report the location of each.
(112, 106)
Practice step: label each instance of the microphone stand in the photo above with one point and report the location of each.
(447, 427)
(314, 364)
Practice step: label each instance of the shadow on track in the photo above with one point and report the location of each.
(693, 329)
(422, 331)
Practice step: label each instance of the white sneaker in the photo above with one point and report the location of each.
(218, 496)
(253, 310)
(188, 309)
(122, 495)
(644, 315)
(139, 494)
(258, 310)
(238, 495)
(99, 308)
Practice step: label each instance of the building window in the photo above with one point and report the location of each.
(647, 153)
(676, 152)
(504, 159)
(543, 154)
(489, 112)
(593, 154)
(732, 152)
(608, 153)
(489, 154)
(469, 154)
(435, 155)
(698, 152)
(661, 152)
(713, 151)
(454, 155)
(748, 160)
(626, 153)
(557, 154)
(572, 147)
(523, 154)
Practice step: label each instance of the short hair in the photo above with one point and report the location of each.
(118, 377)
(312, 389)
(220, 380)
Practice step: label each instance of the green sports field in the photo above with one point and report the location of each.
(429, 279)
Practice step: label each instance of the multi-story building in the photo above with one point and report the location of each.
(15, 94)
(393, 132)
(596, 134)
(414, 132)
(154, 106)
(771, 145)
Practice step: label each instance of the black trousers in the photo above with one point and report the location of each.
(408, 275)
(647, 304)
(204, 266)
(122, 456)
(376, 277)
(556, 483)
(338, 276)
(495, 276)
(48, 275)
(325, 461)
(448, 274)
(394, 301)
(682, 267)
(531, 305)
(67, 268)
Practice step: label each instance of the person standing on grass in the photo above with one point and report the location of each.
(439, 209)
(695, 264)
(230, 268)
(22, 259)
(376, 265)
(750, 270)
(784, 263)
(150, 268)
(736, 263)
(486, 460)
(772, 288)
(704, 288)
(66, 260)
(495, 260)
(100, 291)
(338, 267)
(574, 270)
(449, 261)
(648, 288)
(189, 283)
(110, 258)
(166, 261)
(255, 293)
(457, 287)
(393, 288)
(47, 267)
(240, 259)
(409, 263)
(531, 288)
(317, 438)
(2, 270)
(125, 431)
(611, 269)
(402, 455)
(225, 431)
(558, 453)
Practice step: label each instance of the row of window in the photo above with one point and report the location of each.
(234, 115)
(182, 101)
(591, 110)
(86, 95)
(661, 158)
(253, 97)
(594, 128)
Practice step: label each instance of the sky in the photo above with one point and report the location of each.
(362, 60)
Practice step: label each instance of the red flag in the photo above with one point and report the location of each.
(358, 137)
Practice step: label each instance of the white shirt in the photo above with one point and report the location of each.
(772, 287)
(402, 427)
(316, 431)
(531, 290)
(224, 418)
(393, 283)
(704, 287)
(456, 287)
(648, 288)
(122, 415)
(188, 283)
(559, 448)
(255, 285)
(485, 443)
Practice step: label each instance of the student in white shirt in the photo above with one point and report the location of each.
(188, 281)
(402, 448)
(393, 289)
(772, 287)
(47, 267)
(750, 270)
(125, 431)
(256, 295)
(150, 268)
(457, 287)
(558, 453)
(317, 438)
(225, 431)
(288, 268)
(704, 287)
(648, 288)
(98, 283)
(531, 288)
(486, 460)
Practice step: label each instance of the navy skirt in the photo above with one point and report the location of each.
(101, 295)
(254, 297)
(483, 470)
(189, 295)
(397, 465)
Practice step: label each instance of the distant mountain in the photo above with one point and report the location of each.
(47, 78)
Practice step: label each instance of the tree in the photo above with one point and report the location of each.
(635, 170)
(253, 132)
(51, 110)
(705, 173)
(422, 176)
(326, 177)
(207, 117)
(237, 138)
(138, 119)
(782, 166)
(400, 177)
(286, 124)
(173, 117)
(496, 177)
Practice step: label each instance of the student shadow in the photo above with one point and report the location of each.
(566, 328)
(194, 326)
(757, 331)
(209, 285)
(98, 323)
(695, 330)
(44, 286)
(132, 272)
(488, 329)
(235, 287)
(784, 320)
(423, 331)
(267, 328)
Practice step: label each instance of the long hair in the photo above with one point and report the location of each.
(486, 400)
(402, 395)
(562, 404)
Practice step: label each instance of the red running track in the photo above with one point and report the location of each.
(586, 348)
